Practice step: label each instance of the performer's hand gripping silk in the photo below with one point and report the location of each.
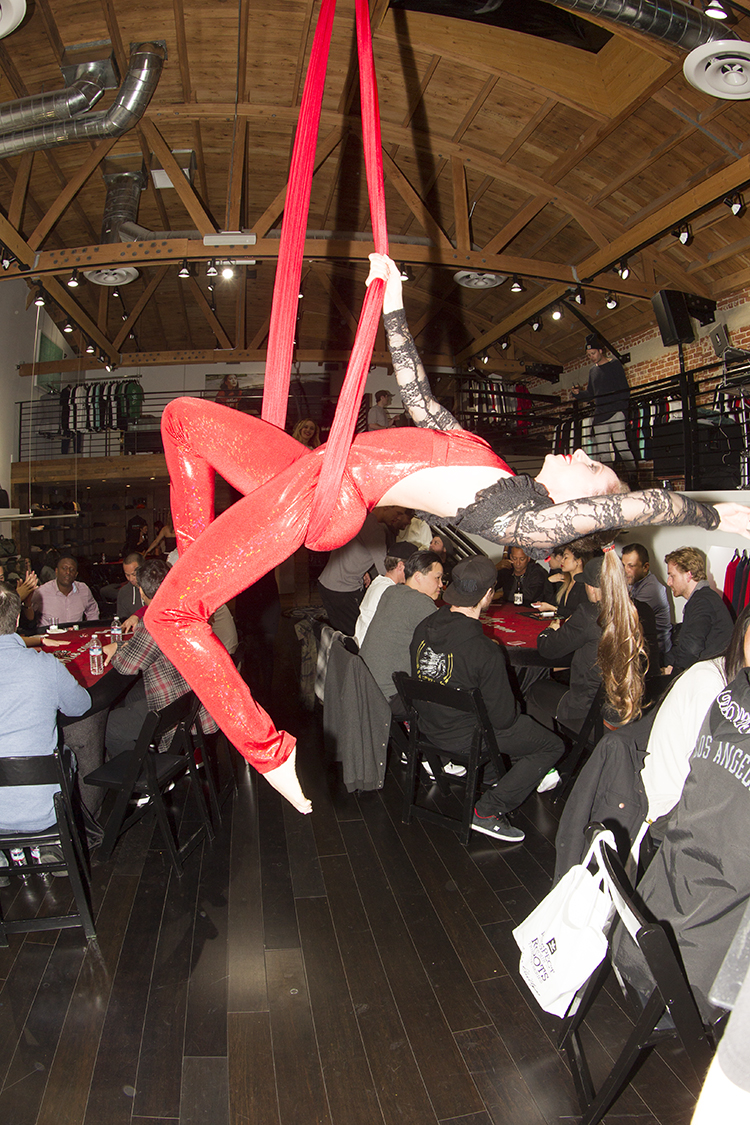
(437, 468)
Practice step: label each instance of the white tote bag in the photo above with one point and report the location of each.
(562, 941)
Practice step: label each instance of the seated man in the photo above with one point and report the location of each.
(394, 576)
(450, 647)
(646, 587)
(162, 683)
(35, 687)
(128, 596)
(63, 599)
(386, 646)
(341, 582)
(706, 622)
(524, 577)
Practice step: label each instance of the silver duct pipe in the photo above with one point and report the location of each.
(61, 105)
(121, 205)
(128, 107)
(669, 20)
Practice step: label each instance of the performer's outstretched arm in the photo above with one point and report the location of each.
(416, 393)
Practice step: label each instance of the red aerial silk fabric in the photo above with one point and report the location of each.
(289, 268)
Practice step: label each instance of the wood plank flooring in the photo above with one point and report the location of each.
(337, 969)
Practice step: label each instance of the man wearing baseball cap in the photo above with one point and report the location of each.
(450, 647)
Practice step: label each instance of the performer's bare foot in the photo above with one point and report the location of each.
(284, 779)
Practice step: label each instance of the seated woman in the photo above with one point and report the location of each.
(573, 558)
(602, 640)
(438, 468)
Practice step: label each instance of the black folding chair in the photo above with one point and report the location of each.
(145, 773)
(480, 749)
(47, 769)
(670, 995)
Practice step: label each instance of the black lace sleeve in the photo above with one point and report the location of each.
(515, 511)
(416, 393)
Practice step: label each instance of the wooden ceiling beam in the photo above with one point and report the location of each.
(180, 183)
(460, 207)
(418, 96)
(295, 93)
(240, 320)
(183, 59)
(69, 192)
(115, 35)
(326, 281)
(243, 18)
(271, 214)
(20, 190)
(236, 175)
(414, 202)
(210, 315)
(139, 306)
(50, 28)
(52, 262)
(63, 297)
(210, 356)
(669, 215)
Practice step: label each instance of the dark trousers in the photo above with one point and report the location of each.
(548, 700)
(533, 750)
(124, 722)
(342, 607)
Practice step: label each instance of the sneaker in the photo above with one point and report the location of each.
(53, 854)
(499, 827)
(453, 769)
(550, 781)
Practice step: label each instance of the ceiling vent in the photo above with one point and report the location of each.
(112, 275)
(471, 279)
(12, 13)
(721, 68)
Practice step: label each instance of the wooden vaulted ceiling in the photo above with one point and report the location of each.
(503, 151)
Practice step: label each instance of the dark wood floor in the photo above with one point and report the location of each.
(339, 968)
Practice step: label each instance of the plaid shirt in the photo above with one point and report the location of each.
(162, 681)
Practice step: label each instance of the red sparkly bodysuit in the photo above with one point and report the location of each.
(221, 557)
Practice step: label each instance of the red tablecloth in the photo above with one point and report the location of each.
(75, 652)
(512, 626)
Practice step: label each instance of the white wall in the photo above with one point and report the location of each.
(17, 335)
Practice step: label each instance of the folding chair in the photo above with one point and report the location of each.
(48, 769)
(671, 995)
(480, 750)
(144, 772)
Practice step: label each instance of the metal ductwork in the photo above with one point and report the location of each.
(121, 206)
(668, 20)
(135, 93)
(62, 105)
(718, 63)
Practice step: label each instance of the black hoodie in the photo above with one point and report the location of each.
(452, 649)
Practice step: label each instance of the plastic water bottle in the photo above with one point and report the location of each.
(116, 632)
(96, 656)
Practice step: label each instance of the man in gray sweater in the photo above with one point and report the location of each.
(385, 649)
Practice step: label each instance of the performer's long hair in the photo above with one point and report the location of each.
(623, 655)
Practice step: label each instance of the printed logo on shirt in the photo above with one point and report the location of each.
(733, 712)
(435, 666)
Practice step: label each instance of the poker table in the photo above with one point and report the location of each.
(74, 651)
(513, 626)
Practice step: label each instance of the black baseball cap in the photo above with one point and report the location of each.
(470, 581)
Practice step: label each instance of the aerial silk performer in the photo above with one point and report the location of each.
(293, 496)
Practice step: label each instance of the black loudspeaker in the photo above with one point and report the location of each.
(673, 318)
